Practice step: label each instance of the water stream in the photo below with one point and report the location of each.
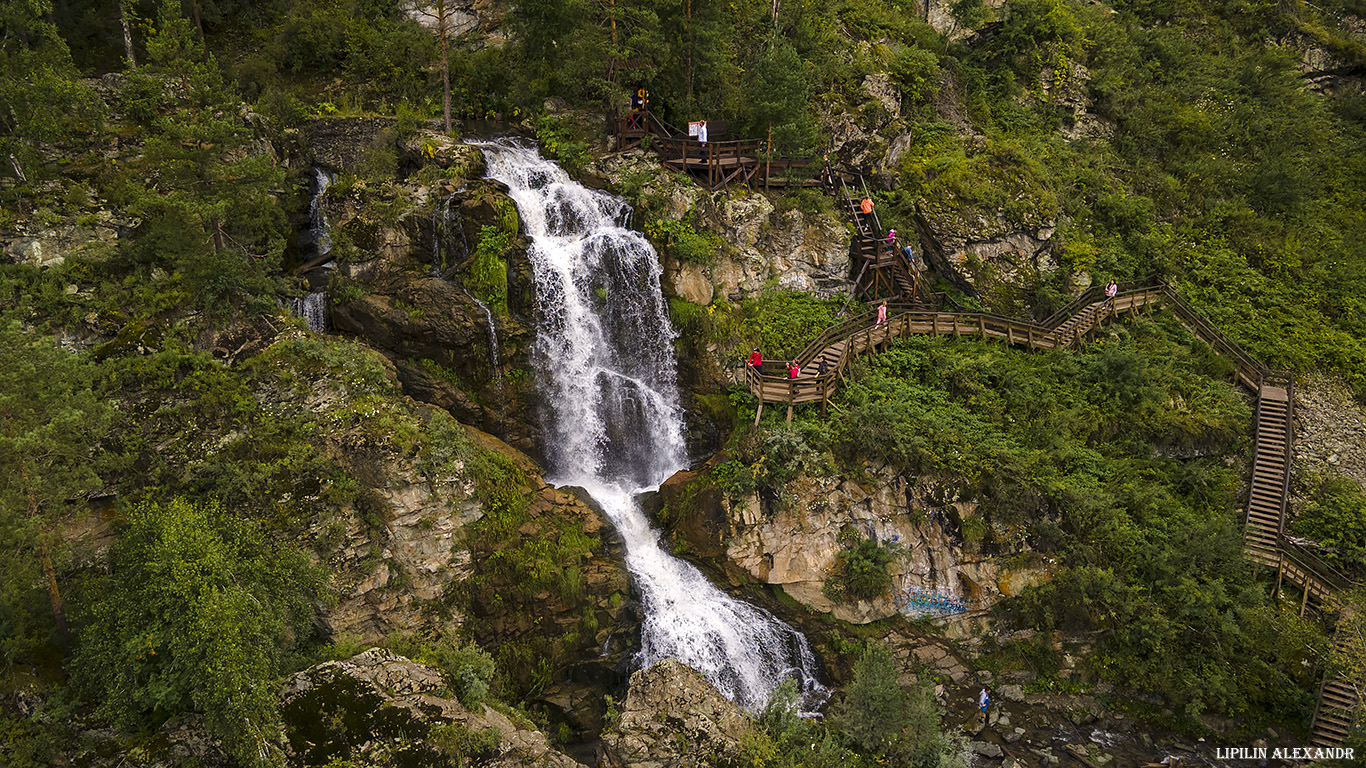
(604, 353)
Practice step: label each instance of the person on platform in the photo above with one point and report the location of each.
(756, 360)
(793, 371)
(702, 132)
(881, 314)
(1111, 289)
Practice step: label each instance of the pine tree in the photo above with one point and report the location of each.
(209, 208)
(50, 422)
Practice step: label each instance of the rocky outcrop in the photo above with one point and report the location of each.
(380, 709)
(793, 544)
(672, 718)
(68, 221)
(763, 246)
(345, 143)
(440, 340)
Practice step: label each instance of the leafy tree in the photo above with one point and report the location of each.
(779, 93)
(198, 612)
(49, 424)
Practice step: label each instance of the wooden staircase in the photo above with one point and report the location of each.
(1264, 540)
(1332, 714)
(1270, 473)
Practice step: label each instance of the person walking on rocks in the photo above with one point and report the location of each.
(983, 701)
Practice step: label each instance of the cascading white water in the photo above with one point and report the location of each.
(604, 350)
(319, 229)
(495, 368)
(313, 309)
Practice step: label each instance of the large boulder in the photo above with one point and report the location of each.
(380, 709)
(673, 717)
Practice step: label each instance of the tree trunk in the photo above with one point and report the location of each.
(194, 7)
(127, 34)
(443, 31)
(54, 595)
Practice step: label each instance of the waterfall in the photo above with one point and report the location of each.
(496, 371)
(442, 259)
(313, 309)
(319, 231)
(604, 353)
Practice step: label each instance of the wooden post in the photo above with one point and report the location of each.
(759, 412)
(1304, 601)
(768, 159)
(982, 327)
(1280, 572)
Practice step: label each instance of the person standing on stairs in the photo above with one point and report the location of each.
(881, 314)
(866, 206)
(822, 367)
(891, 237)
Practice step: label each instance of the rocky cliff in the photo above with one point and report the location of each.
(792, 542)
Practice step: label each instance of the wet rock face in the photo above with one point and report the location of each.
(381, 710)
(439, 339)
(674, 717)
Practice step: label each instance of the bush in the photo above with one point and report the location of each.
(860, 569)
(196, 614)
(487, 277)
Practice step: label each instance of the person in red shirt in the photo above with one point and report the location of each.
(793, 371)
(756, 360)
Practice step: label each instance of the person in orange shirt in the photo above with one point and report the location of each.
(866, 206)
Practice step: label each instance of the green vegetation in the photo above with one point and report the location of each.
(199, 612)
(1076, 453)
(874, 722)
(487, 276)
(1335, 517)
(860, 569)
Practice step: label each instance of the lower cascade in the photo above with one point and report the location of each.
(604, 356)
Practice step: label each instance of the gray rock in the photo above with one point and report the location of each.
(986, 749)
(672, 716)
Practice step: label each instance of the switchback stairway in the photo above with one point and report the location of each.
(823, 365)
